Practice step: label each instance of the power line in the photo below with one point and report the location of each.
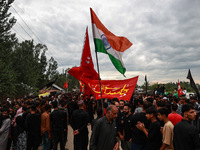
(26, 24)
(18, 33)
(32, 33)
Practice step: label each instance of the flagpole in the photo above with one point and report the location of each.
(99, 80)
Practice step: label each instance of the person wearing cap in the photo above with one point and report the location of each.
(79, 122)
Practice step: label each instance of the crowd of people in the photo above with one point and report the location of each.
(146, 122)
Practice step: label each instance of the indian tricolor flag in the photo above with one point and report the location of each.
(108, 43)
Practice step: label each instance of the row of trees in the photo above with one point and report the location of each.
(24, 67)
(170, 87)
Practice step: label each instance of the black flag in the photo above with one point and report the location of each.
(192, 83)
(146, 82)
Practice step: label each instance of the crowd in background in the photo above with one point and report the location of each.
(146, 122)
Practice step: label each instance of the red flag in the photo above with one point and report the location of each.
(180, 92)
(122, 89)
(86, 70)
(65, 85)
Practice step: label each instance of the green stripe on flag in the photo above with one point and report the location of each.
(99, 46)
(117, 63)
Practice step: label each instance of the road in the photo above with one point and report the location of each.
(69, 144)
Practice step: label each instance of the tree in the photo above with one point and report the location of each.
(52, 69)
(7, 41)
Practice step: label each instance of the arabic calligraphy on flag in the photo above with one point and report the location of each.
(121, 89)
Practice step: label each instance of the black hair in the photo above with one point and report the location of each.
(37, 104)
(54, 104)
(194, 98)
(115, 99)
(146, 105)
(174, 107)
(24, 108)
(168, 105)
(186, 108)
(105, 105)
(163, 111)
(151, 110)
(150, 99)
(5, 109)
(64, 103)
(175, 99)
(47, 107)
(18, 103)
(33, 108)
(140, 101)
(160, 103)
(128, 104)
(99, 112)
(122, 101)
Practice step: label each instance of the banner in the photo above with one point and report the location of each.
(121, 89)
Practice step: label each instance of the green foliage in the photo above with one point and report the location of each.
(7, 41)
(170, 87)
(23, 66)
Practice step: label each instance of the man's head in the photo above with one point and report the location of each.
(193, 99)
(116, 104)
(163, 113)
(188, 112)
(80, 103)
(140, 102)
(151, 112)
(159, 104)
(111, 112)
(64, 104)
(127, 109)
(33, 109)
(5, 112)
(18, 105)
(121, 104)
(182, 100)
(174, 107)
(47, 108)
(146, 105)
(54, 104)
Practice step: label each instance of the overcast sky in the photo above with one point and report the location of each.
(165, 34)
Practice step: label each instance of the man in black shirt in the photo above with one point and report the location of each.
(99, 115)
(120, 118)
(185, 134)
(104, 132)
(33, 126)
(154, 135)
(79, 121)
(139, 139)
(58, 119)
(126, 139)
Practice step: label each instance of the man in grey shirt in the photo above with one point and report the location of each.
(104, 132)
